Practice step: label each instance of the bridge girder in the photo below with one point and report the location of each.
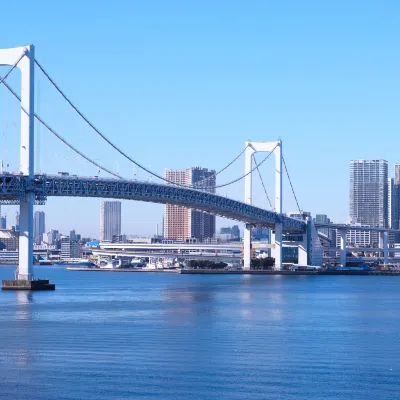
(14, 187)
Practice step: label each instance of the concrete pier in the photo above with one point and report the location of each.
(25, 284)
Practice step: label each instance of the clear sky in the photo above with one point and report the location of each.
(186, 83)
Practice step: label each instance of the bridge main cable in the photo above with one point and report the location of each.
(115, 147)
(57, 135)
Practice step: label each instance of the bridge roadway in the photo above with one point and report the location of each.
(13, 187)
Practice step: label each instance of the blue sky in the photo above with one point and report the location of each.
(186, 83)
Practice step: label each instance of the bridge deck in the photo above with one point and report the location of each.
(13, 187)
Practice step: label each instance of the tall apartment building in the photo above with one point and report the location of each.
(39, 226)
(369, 194)
(397, 174)
(182, 223)
(110, 220)
(69, 248)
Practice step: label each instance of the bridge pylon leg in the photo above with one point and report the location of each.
(25, 265)
(247, 247)
(385, 237)
(24, 274)
(278, 246)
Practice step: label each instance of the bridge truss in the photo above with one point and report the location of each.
(13, 188)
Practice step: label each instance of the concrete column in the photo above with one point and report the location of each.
(303, 253)
(278, 206)
(278, 247)
(343, 249)
(26, 66)
(248, 200)
(278, 177)
(385, 248)
(247, 247)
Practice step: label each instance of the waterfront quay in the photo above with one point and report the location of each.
(243, 271)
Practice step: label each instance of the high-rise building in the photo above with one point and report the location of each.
(110, 220)
(261, 234)
(182, 223)
(17, 221)
(397, 174)
(69, 248)
(3, 222)
(39, 227)
(369, 194)
(394, 204)
(235, 232)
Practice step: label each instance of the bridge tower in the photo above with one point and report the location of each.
(24, 273)
(251, 148)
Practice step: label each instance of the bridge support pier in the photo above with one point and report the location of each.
(277, 251)
(343, 248)
(384, 243)
(247, 247)
(24, 274)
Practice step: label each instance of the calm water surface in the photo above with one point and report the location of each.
(105, 335)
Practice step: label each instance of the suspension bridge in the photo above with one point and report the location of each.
(27, 188)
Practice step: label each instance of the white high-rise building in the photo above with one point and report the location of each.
(369, 194)
(110, 220)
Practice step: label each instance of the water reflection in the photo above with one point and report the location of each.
(24, 301)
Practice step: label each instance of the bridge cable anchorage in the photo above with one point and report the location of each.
(59, 136)
(115, 147)
(12, 67)
(262, 181)
(290, 181)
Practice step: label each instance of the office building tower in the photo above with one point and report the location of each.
(110, 220)
(39, 227)
(261, 234)
(235, 232)
(3, 222)
(51, 237)
(69, 248)
(369, 193)
(181, 223)
(397, 174)
(394, 205)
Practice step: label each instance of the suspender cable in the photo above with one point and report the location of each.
(290, 181)
(12, 67)
(119, 150)
(262, 181)
(59, 136)
(113, 173)
(199, 183)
